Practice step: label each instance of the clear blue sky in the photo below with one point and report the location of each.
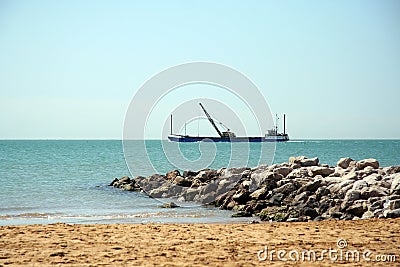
(68, 69)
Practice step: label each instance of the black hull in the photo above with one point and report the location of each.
(192, 139)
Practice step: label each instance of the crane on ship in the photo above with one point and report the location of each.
(225, 134)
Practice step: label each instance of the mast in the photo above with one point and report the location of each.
(284, 124)
(170, 131)
(211, 120)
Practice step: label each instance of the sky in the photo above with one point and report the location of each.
(69, 69)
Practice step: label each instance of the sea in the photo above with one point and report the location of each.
(50, 181)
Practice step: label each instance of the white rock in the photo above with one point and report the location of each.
(367, 162)
(345, 189)
(246, 183)
(368, 215)
(395, 183)
(394, 204)
(371, 179)
(284, 171)
(295, 160)
(333, 180)
(358, 185)
(344, 185)
(258, 193)
(324, 171)
(298, 173)
(374, 191)
(350, 176)
(233, 171)
(339, 171)
(344, 162)
(353, 195)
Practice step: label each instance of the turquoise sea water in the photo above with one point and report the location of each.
(46, 181)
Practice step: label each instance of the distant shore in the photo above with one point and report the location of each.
(201, 244)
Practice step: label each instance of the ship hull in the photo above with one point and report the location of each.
(258, 139)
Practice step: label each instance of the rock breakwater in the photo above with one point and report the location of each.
(301, 189)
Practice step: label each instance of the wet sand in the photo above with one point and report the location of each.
(199, 244)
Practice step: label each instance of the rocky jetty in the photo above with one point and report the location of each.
(299, 190)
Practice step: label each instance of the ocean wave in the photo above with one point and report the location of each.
(29, 215)
(53, 216)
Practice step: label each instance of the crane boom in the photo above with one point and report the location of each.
(211, 120)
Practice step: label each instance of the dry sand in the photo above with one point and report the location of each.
(193, 244)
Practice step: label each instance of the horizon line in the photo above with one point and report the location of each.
(156, 139)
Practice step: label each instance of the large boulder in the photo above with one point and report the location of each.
(185, 182)
(336, 187)
(333, 180)
(273, 214)
(344, 162)
(310, 212)
(360, 184)
(368, 215)
(322, 192)
(174, 190)
(285, 189)
(302, 197)
(298, 173)
(159, 192)
(189, 173)
(303, 161)
(350, 176)
(392, 169)
(392, 213)
(323, 171)
(206, 175)
(241, 196)
(372, 179)
(234, 171)
(211, 187)
(311, 186)
(259, 194)
(296, 160)
(353, 195)
(205, 198)
(220, 199)
(309, 162)
(367, 162)
(284, 171)
(276, 199)
(191, 193)
(125, 183)
(172, 174)
(357, 209)
(151, 182)
(265, 178)
(394, 204)
(377, 205)
(373, 191)
(395, 187)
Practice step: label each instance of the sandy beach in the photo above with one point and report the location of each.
(201, 244)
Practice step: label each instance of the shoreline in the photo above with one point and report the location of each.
(197, 244)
